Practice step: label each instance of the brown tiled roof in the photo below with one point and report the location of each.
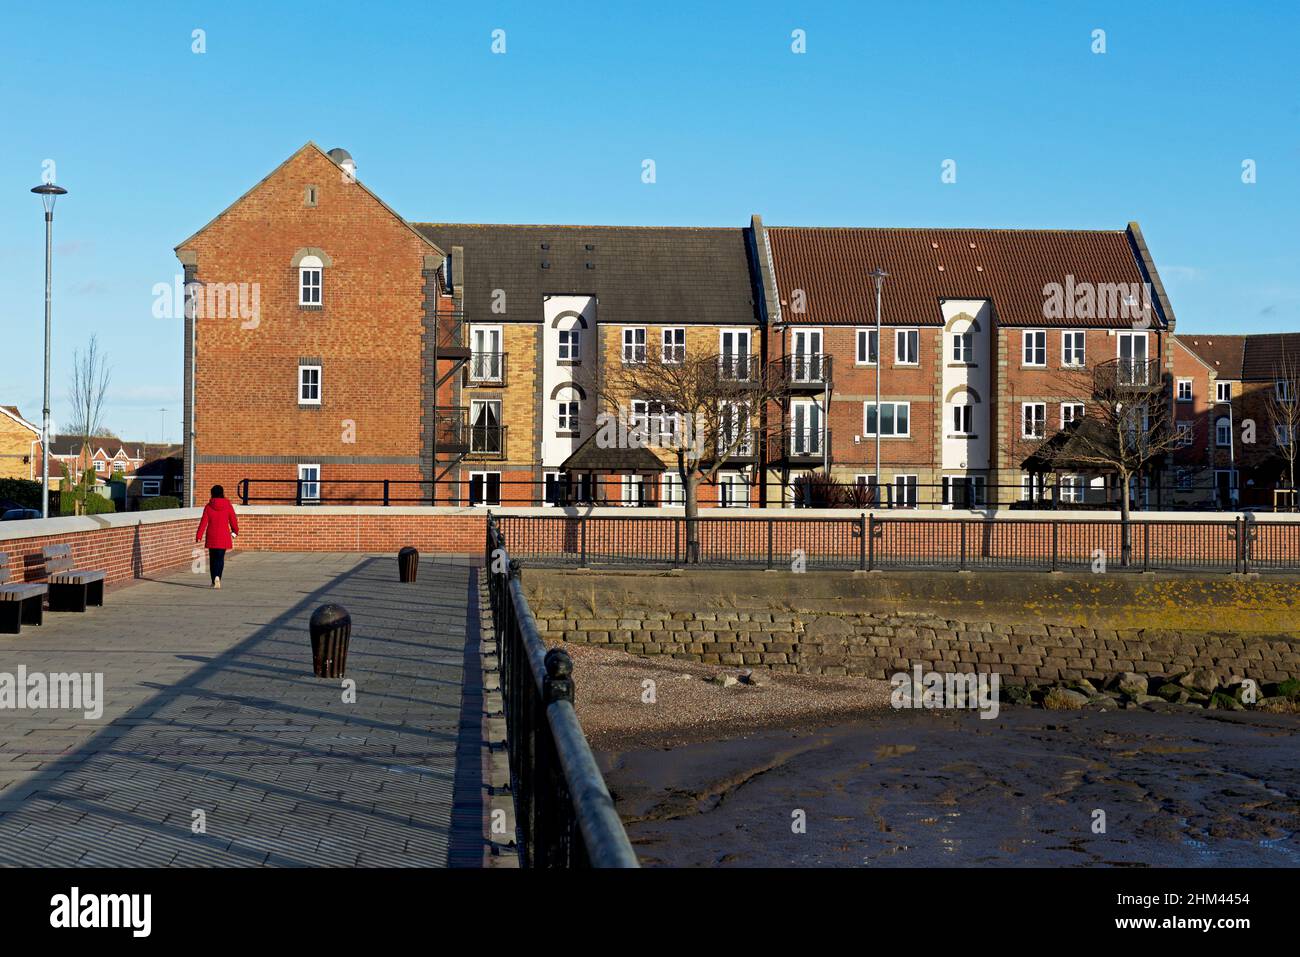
(1264, 354)
(1008, 266)
(1223, 354)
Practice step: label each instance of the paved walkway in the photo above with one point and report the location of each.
(211, 706)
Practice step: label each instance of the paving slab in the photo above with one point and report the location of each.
(210, 705)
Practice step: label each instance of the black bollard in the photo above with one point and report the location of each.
(331, 629)
(408, 562)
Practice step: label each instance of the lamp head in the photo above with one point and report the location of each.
(49, 193)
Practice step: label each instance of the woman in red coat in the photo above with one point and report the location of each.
(222, 528)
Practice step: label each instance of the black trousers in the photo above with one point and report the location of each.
(216, 562)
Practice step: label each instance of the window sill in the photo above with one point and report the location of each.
(305, 307)
(568, 435)
(568, 362)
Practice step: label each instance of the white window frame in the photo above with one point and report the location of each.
(866, 419)
(631, 490)
(485, 503)
(558, 479)
(1024, 421)
(1033, 343)
(963, 420)
(1222, 427)
(1223, 390)
(902, 339)
(1082, 410)
(862, 346)
(310, 487)
(672, 493)
(568, 345)
(147, 484)
(672, 353)
(302, 386)
(311, 282)
(1074, 349)
(977, 486)
(734, 374)
(1178, 390)
(1282, 390)
(1283, 431)
(730, 481)
(634, 352)
(476, 360)
(1183, 434)
(1033, 487)
(904, 486)
(1072, 487)
(963, 347)
(568, 415)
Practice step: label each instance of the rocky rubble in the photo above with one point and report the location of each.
(1201, 688)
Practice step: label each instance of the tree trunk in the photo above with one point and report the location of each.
(692, 484)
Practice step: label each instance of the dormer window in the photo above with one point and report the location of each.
(310, 273)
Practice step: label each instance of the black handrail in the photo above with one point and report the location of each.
(565, 814)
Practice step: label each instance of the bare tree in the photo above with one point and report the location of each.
(86, 393)
(1127, 428)
(1282, 405)
(705, 411)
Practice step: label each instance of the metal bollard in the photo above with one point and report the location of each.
(408, 563)
(331, 630)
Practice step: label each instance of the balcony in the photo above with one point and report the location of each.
(450, 339)
(486, 369)
(739, 369)
(487, 442)
(1126, 375)
(806, 372)
(744, 452)
(799, 446)
(451, 430)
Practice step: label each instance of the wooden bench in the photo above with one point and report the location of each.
(20, 604)
(71, 589)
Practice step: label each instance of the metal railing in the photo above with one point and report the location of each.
(866, 542)
(806, 370)
(486, 368)
(565, 815)
(1124, 373)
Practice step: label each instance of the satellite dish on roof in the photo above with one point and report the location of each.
(344, 160)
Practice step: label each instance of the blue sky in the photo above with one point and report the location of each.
(152, 139)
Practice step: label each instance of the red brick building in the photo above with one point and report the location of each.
(331, 341)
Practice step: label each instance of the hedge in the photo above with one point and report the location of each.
(159, 501)
(23, 491)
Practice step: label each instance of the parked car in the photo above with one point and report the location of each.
(18, 514)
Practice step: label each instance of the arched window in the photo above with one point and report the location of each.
(310, 280)
(1223, 432)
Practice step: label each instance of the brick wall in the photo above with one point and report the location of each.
(126, 545)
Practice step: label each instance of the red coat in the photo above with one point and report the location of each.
(218, 521)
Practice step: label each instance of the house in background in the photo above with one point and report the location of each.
(111, 458)
(20, 445)
(1236, 452)
(164, 475)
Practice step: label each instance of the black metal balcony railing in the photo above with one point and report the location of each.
(451, 430)
(487, 441)
(1126, 374)
(451, 337)
(793, 444)
(807, 370)
(486, 368)
(736, 445)
(738, 368)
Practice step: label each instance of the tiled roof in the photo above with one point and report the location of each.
(1223, 354)
(1264, 355)
(641, 274)
(1009, 266)
(590, 457)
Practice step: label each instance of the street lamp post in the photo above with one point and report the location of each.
(878, 275)
(48, 193)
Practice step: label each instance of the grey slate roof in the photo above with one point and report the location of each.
(640, 274)
(590, 457)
